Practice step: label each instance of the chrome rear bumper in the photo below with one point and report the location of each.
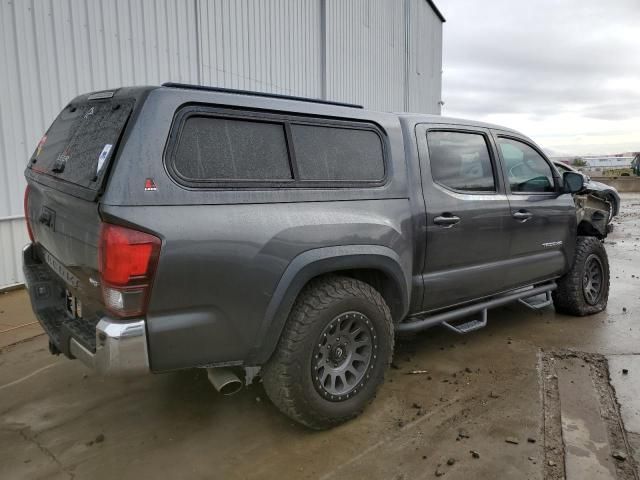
(121, 348)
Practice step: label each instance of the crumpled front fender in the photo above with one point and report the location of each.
(592, 214)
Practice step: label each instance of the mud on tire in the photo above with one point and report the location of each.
(584, 290)
(332, 354)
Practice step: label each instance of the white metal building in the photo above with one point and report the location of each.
(383, 54)
(608, 161)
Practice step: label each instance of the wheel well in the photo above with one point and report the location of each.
(610, 197)
(383, 283)
(587, 229)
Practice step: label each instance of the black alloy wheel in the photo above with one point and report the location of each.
(343, 356)
(592, 279)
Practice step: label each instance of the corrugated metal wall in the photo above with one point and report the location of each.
(375, 29)
(270, 46)
(357, 51)
(424, 79)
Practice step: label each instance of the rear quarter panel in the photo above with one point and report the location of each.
(220, 265)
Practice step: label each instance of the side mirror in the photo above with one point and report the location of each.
(573, 182)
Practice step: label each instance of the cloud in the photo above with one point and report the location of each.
(541, 64)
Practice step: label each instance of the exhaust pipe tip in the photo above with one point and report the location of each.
(224, 381)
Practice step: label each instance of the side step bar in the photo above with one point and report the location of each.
(468, 326)
(446, 317)
(535, 302)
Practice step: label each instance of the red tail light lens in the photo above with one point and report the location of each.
(26, 212)
(127, 261)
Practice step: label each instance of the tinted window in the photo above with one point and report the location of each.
(231, 149)
(80, 143)
(461, 161)
(527, 171)
(330, 153)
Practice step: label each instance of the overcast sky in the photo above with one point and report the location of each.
(564, 72)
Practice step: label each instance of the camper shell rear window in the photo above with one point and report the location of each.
(80, 143)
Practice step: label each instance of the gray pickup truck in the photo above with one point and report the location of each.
(253, 234)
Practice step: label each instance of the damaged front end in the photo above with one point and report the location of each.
(592, 214)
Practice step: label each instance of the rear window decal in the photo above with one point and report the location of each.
(61, 162)
(103, 156)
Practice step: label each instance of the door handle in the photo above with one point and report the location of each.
(446, 220)
(522, 215)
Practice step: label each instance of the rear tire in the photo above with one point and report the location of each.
(333, 353)
(584, 290)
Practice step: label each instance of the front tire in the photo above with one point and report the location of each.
(612, 202)
(333, 353)
(584, 290)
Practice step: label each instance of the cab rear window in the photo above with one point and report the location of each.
(80, 143)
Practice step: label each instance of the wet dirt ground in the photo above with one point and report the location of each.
(528, 397)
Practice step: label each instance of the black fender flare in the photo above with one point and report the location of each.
(311, 264)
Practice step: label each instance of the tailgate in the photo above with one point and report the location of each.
(66, 231)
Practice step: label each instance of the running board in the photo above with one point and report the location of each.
(445, 318)
(536, 302)
(468, 326)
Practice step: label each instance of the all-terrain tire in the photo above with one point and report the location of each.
(290, 377)
(612, 201)
(573, 295)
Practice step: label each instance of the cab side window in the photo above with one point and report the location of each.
(527, 171)
(461, 161)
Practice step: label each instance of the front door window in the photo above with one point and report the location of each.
(527, 171)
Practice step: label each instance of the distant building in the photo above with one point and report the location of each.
(608, 161)
(599, 161)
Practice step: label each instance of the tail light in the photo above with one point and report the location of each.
(127, 260)
(26, 212)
